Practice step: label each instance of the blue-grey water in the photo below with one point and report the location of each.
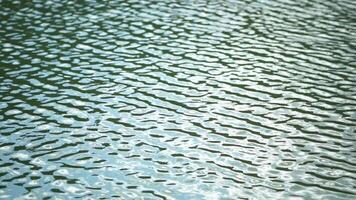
(185, 99)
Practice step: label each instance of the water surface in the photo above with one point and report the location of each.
(249, 99)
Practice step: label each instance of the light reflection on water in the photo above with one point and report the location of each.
(177, 99)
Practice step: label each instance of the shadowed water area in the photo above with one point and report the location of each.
(249, 99)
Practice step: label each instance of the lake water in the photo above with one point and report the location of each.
(186, 99)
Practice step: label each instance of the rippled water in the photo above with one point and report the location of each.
(249, 99)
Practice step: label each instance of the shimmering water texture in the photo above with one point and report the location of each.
(250, 99)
